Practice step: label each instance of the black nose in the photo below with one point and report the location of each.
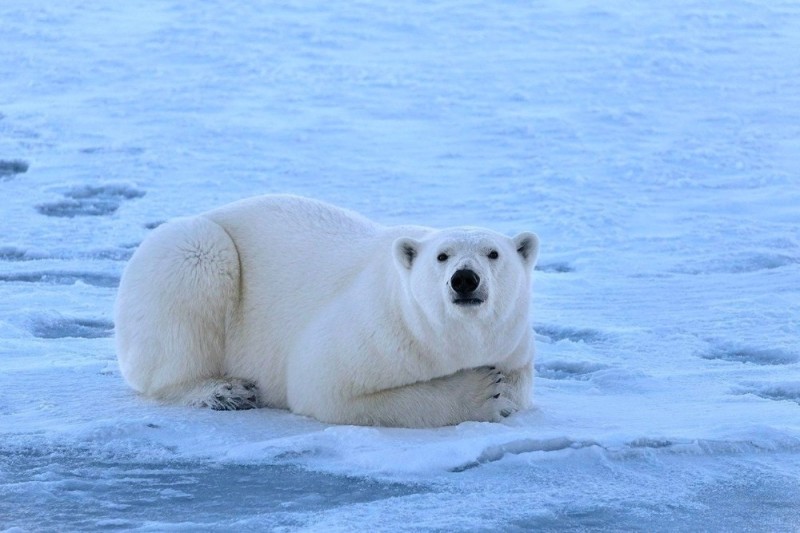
(464, 281)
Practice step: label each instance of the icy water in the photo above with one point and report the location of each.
(73, 489)
(654, 149)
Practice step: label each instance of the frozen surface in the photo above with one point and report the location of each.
(655, 150)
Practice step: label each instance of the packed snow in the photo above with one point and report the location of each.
(654, 148)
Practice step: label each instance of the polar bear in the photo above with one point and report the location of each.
(286, 302)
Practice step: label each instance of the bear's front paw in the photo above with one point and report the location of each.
(229, 395)
(494, 402)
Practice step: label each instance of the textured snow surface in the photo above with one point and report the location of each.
(655, 149)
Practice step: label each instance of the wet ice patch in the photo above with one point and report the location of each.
(650, 443)
(125, 150)
(559, 333)
(557, 267)
(14, 253)
(788, 391)
(62, 278)
(90, 200)
(559, 369)
(112, 254)
(740, 263)
(10, 168)
(750, 354)
(56, 326)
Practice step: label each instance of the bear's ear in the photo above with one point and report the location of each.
(527, 245)
(405, 251)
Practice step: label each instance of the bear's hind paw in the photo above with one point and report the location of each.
(228, 394)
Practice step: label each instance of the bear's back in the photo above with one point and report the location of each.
(296, 250)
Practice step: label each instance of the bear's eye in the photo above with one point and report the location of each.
(493, 254)
(442, 257)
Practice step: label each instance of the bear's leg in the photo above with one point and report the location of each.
(479, 394)
(176, 300)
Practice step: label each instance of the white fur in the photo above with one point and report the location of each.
(328, 314)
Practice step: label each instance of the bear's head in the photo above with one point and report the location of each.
(468, 274)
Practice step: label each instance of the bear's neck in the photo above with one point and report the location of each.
(453, 343)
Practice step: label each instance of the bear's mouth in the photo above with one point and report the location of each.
(467, 301)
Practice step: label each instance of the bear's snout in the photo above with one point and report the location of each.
(465, 281)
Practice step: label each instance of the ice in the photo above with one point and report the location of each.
(653, 148)
(89, 200)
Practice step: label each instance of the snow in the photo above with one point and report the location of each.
(654, 149)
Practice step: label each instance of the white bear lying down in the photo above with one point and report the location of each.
(286, 302)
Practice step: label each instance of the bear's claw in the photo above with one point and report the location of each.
(497, 403)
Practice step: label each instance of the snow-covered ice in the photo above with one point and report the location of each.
(654, 147)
